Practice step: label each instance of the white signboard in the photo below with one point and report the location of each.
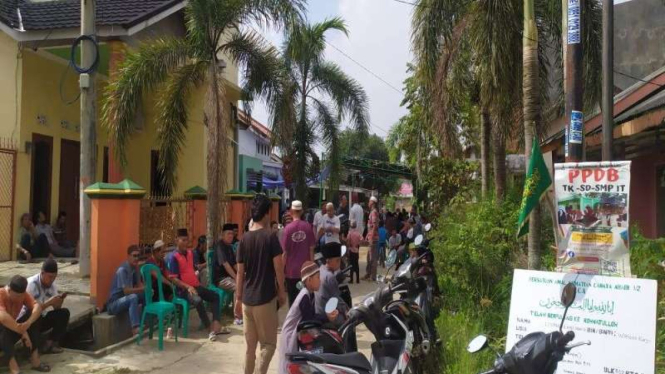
(617, 315)
(592, 213)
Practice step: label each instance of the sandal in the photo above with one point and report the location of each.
(212, 337)
(42, 368)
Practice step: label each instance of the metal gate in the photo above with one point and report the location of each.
(7, 188)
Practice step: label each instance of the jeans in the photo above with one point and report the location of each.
(292, 289)
(56, 321)
(260, 327)
(212, 298)
(8, 338)
(355, 267)
(382, 254)
(129, 303)
(40, 248)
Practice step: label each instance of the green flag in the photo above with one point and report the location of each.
(537, 182)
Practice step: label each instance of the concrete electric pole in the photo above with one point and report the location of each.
(89, 55)
(574, 83)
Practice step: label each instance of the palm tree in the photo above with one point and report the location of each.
(311, 98)
(176, 66)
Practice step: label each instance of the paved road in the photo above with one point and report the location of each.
(193, 355)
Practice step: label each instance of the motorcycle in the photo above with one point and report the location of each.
(536, 353)
(392, 352)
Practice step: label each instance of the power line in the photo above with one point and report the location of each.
(365, 68)
(638, 79)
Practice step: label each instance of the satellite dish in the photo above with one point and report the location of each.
(419, 240)
(331, 305)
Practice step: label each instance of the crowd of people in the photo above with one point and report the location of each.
(270, 267)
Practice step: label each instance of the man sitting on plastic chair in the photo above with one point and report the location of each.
(182, 263)
(224, 266)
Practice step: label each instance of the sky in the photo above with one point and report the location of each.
(379, 39)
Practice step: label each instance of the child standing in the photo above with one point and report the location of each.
(382, 244)
(353, 241)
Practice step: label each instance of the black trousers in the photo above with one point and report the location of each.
(9, 338)
(56, 321)
(355, 267)
(212, 298)
(40, 248)
(292, 289)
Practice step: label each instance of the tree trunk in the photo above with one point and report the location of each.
(301, 148)
(499, 152)
(215, 121)
(485, 126)
(531, 117)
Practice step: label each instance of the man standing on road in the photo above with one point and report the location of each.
(260, 287)
(330, 225)
(42, 288)
(343, 213)
(372, 239)
(357, 214)
(298, 242)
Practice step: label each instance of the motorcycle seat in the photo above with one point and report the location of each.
(354, 360)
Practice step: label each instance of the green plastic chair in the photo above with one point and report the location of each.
(224, 296)
(183, 303)
(161, 309)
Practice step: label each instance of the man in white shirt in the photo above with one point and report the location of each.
(330, 225)
(316, 223)
(357, 214)
(43, 289)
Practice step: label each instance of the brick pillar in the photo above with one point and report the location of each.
(116, 211)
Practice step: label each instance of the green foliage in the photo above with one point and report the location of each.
(645, 258)
(460, 328)
(448, 179)
(373, 147)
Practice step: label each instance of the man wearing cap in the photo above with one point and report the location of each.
(298, 242)
(225, 267)
(373, 239)
(183, 266)
(14, 299)
(303, 309)
(157, 258)
(332, 252)
(127, 290)
(43, 289)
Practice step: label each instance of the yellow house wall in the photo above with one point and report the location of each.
(39, 94)
(10, 87)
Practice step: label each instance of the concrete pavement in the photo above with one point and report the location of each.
(193, 355)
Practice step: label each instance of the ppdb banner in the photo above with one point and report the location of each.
(592, 203)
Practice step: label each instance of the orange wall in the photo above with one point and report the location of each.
(110, 239)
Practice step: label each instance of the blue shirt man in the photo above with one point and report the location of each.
(127, 290)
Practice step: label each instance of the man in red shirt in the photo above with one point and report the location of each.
(182, 264)
(19, 319)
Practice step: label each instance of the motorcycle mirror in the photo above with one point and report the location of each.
(568, 295)
(409, 234)
(428, 227)
(478, 343)
(419, 240)
(343, 250)
(567, 299)
(331, 305)
(300, 285)
(392, 257)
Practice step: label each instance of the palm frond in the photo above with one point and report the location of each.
(140, 72)
(172, 118)
(348, 95)
(305, 44)
(328, 124)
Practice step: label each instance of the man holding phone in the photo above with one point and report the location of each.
(43, 289)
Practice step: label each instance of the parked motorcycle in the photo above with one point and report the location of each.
(536, 353)
(392, 352)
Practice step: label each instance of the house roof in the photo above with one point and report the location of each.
(253, 123)
(26, 15)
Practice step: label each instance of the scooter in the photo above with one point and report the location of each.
(391, 352)
(536, 353)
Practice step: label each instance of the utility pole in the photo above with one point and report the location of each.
(88, 131)
(574, 84)
(608, 78)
